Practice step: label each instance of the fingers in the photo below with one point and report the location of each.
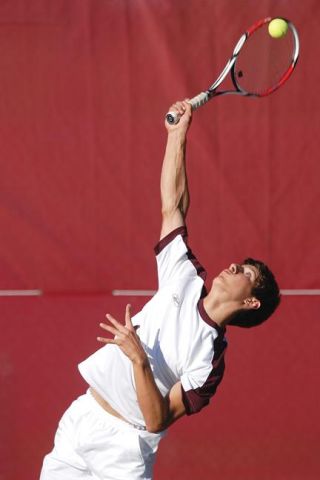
(115, 323)
(106, 340)
(128, 322)
(112, 330)
(181, 107)
(117, 328)
(117, 334)
(183, 116)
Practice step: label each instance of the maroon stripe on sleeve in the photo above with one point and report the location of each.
(168, 238)
(195, 400)
(201, 272)
(197, 265)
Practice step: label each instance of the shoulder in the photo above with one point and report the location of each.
(180, 233)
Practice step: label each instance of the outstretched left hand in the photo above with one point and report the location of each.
(125, 337)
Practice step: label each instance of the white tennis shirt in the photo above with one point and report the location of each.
(182, 342)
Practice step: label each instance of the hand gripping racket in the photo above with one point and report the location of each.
(259, 65)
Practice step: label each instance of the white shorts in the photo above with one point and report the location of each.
(92, 444)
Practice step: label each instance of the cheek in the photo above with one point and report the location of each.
(244, 288)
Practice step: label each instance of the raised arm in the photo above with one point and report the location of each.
(174, 184)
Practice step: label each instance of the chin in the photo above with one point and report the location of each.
(216, 281)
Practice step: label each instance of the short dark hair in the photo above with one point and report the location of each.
(266, 290)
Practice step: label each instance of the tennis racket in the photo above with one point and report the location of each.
(259, 65)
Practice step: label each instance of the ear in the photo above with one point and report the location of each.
(251, 303)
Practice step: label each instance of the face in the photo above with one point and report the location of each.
(237, 281)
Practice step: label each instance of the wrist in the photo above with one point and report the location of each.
(177, 135)
(141, 361)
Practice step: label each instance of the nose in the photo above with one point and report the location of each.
(234, 268)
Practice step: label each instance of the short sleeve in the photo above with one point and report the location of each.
(172, 256)
(198, 386)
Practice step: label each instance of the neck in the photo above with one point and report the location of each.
(220, 312)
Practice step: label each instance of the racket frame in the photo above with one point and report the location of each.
(203, 97)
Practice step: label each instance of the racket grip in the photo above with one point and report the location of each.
(196, 102)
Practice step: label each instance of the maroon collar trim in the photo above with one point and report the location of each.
(207, 319)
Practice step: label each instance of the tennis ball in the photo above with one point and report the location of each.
(278, 28)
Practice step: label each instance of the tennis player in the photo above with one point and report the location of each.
(166, 361)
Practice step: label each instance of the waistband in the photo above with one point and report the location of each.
(114, 420)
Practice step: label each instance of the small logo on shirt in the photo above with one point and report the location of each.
(176, 300)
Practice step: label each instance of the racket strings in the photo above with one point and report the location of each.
(263, 61)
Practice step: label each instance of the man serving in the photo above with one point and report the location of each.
(168, 360)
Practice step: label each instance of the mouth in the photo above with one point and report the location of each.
(224, 272)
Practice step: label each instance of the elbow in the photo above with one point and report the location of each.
(171, 204)
(171, 212)
(156, 427)
(169, 209)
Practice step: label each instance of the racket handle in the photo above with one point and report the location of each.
(196, 102)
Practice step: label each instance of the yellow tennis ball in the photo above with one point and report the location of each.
(278, 28)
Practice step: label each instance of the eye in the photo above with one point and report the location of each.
(249, 274)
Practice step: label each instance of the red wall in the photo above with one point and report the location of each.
(84, 87)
